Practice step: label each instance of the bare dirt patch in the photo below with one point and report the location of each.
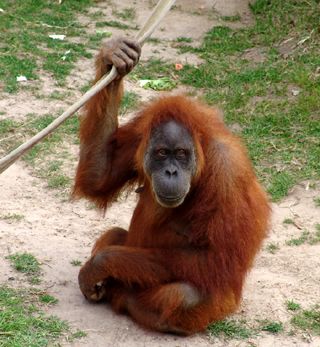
(254, 55)
(58, 231)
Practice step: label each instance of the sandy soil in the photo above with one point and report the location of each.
(58, 231)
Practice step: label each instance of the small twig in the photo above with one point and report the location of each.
(287, 40)
(297, 225)
(7, 138)
(77, 214)
(274, 146)
(53, 26)
(295, 215)
(305, 39)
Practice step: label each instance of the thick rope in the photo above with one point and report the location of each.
(145, 32)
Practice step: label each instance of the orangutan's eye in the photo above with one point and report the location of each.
(162, 153)
(181, 153)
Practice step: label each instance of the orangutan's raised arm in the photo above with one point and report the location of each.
(101, 117)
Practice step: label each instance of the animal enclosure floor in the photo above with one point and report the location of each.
(58, 231)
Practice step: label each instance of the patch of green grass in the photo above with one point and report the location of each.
(126, 14)
(271, 326)
(97, 15)
(77, 335)
(39, 123)
(76, 262)
(25, 262)
(113, 24)
(86, 87)
(317, 201)
(235, 18)
(58, 181)
(23, 323)
(184, 39)
(95, 39)
(54, 166)
(26, 47)
(35, 280)
(129, 101)
(300, 240)
(288, 221)
(284, 18)
(7, 126)
(222, 40)
(292, 306)
(152, 69)
(230, 329)
(48, 299)
(15, 67)
(306, 237)
(280, 184)
(12, 217)
(60, 64)
(57, 95)
(272, 248)
(308, 320)
(71, 126)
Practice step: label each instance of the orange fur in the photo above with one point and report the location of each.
(208, 243)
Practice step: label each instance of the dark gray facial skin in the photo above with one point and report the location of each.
(170, 161)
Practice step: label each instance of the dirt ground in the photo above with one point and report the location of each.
(58, 231)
